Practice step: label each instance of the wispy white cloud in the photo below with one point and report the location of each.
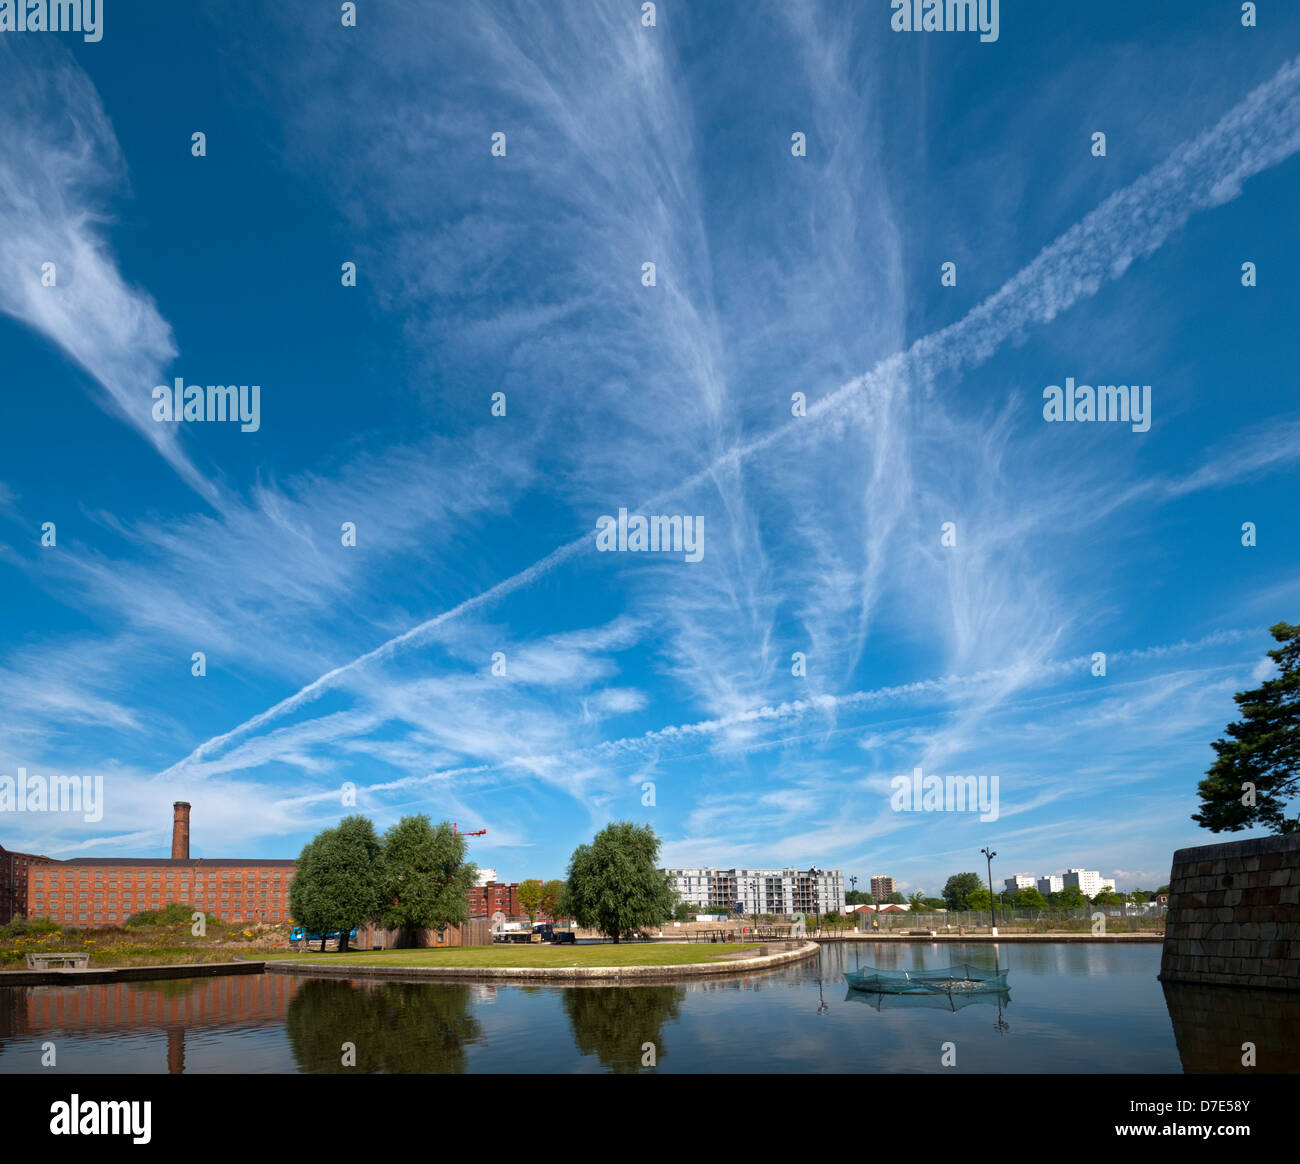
(59, 163)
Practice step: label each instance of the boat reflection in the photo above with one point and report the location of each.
(880, 1000)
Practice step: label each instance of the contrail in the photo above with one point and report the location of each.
(316, 686)
(797, 709)
(1259, 132)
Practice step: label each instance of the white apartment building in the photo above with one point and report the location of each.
(774, 891)
(1088, 881)
(1018, 882)
(1052, 883)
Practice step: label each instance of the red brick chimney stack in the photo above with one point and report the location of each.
(181, 831)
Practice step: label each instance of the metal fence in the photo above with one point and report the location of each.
(1116, 917)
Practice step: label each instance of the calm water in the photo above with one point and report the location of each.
(1072, 1007)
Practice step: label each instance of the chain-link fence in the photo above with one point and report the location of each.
(1115, 918)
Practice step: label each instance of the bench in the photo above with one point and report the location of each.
(63, 961)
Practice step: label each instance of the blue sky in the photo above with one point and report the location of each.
(521, 274)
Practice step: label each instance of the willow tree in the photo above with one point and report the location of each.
(614, 884)
(424, 879)
(335, 884)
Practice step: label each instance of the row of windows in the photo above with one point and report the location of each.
(126, 897)
(264, 877)
(274, 915)
(170, 886)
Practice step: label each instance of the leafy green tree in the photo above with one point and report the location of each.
(1108, 897)
(1163, 889)
(613, 884)
(917, 902)
(978, 899)
(336, 884)
(895, 899)
(1030, 898)
(1263, 750)
(933, 903)
(424, 878)
(1139, 896)
(530, 895)
(959, 887)
(552, 898)
(1071, 897)
(858, 897)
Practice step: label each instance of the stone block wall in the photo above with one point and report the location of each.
(1234, 915)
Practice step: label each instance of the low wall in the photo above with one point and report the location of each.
(1234, 915)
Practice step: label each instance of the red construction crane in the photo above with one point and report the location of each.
(458, 833)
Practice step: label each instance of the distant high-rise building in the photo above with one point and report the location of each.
(1019, 881)
(882, 887)
(776, 891)
(1087, 881)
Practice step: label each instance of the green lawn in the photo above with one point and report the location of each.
(624, 954)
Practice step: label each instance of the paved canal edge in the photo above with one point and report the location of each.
(104, 974)
(608, 974)
(989, 940)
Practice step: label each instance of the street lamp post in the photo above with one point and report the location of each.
(993, 909)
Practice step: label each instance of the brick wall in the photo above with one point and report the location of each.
(1234, 915)
(485, 900)
(93, 892)
(13, 882)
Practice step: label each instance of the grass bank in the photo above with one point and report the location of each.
(156, 939)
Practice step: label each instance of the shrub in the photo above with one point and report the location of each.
(174, 913)
(29, 927)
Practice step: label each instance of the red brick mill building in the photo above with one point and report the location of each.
(88, 892)
(93, 892)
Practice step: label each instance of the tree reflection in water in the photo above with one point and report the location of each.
(614, 1023)
(397, 1028)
